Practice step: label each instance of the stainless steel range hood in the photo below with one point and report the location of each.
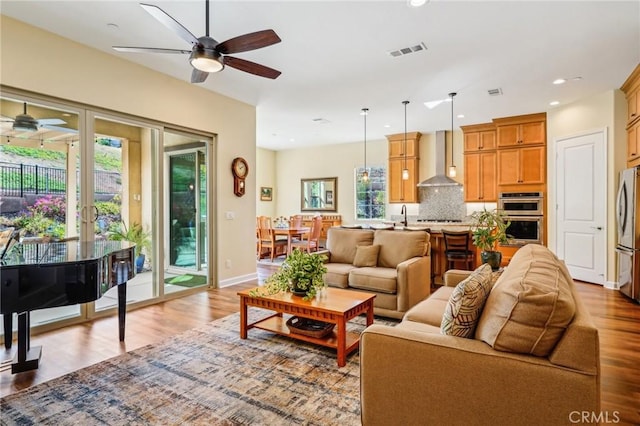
(440, 179)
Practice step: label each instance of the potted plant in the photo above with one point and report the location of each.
(137, 235)
(488, 229)
(301, 273)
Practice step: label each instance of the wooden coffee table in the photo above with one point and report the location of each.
(335, 306)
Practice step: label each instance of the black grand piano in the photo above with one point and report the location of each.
(46, 275)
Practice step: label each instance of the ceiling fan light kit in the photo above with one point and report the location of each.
(25, 122)
(206, 60)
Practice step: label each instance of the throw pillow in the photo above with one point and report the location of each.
(366, 256)
(465, 304)
(530, 306)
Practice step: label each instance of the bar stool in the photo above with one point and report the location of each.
(457, 248)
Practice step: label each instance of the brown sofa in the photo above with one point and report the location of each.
(532, 370)
(395, 265)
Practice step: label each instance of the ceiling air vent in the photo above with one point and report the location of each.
(495, 92)
(406, 50)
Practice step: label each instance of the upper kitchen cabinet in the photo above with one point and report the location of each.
(518, 167)
(480, 163)
(631, 89)
(521, 130)
(479, 137)
(403, 153)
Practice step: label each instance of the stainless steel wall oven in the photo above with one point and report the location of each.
(525, 211)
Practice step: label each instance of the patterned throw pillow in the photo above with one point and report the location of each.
(466, 302)
(366, 256)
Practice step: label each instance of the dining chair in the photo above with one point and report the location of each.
(295, 221)
(267, 239)
(457, 248)
(311, 240)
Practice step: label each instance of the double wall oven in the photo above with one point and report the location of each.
(525, 211)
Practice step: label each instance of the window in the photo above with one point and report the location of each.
(371, 195)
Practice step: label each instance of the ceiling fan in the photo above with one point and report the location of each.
(207, 55)
(25, 122)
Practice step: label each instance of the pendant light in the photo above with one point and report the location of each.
(405, 170)
(365, 174)
(452, 167)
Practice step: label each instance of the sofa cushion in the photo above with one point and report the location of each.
(465, 305)
(383, 280)
(366, 255)
(337, 274)
(398, 246)
(430, 310)
(342, 243)
(531, 304)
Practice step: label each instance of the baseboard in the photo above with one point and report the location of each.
(611, 285)
(237, 280)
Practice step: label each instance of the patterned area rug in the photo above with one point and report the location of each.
(202, 377)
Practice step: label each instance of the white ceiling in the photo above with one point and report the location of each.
(334, 57)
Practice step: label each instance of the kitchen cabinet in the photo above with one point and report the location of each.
(521, 166)
(633, 145)
(480, 176)
(403, 152)
(631, 89)
(521, 130)
(480, 163)
(479, 140)
(399, 190)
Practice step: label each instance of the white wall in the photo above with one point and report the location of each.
(43, 63)
(266, 176)
(604, 110)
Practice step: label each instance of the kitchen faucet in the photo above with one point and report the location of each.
(404, 212)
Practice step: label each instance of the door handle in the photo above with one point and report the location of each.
(599, 228)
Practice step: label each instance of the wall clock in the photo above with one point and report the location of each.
(240, 170)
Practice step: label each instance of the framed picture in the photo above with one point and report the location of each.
(328, 196)
(266, 193)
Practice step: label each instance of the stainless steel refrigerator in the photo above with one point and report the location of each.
(628, 220)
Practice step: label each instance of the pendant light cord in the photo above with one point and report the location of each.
(405, 134)
(365, 111)
(452, 95)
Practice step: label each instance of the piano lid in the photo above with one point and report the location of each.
(61, 252)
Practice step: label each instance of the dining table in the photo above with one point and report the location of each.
(290, 232)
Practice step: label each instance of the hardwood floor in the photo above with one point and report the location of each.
(78, 346)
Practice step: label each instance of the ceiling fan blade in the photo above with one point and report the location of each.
(251, 67)
(148, 50)
(59, 129)
(248, 42)
(50, 121)
(170, 23)
(198, 76)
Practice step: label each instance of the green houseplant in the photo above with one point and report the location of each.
(488, 229)
(136, 234)
(301, 273)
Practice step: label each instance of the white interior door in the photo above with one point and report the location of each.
(581, 205)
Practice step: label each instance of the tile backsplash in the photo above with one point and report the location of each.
(442, 203)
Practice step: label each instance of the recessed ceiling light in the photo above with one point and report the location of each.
(554, 103)
(112, 26)
(576, 78)
(460, 115)
(559, 81)
(387, 126)
(292, 140)
(416, 3)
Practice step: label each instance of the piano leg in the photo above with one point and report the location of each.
(122, 308)
(27, 357)
(8, 329)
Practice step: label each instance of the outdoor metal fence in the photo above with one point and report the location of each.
(16, 180)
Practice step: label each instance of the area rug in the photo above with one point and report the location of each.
(187, 280)
(204, 376)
